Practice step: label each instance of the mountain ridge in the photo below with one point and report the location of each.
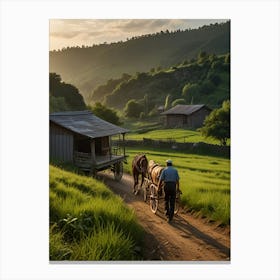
(88, 67)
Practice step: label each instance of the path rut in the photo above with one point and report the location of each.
(187, 238)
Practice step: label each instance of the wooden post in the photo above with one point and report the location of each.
(123, 134)
(93, 159)
(92, 148)
(110, 147)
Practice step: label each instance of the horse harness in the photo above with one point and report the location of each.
(153, 169)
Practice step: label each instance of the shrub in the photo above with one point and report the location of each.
(178, 101)
(217, 124)
(133, 109)
(190, 91)
(105, 113)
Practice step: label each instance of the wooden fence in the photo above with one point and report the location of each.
(189, 147)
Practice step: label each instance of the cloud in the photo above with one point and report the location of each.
(72, 32)
(66, 35)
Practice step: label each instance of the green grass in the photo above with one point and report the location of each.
(89, 222)
(179, 135)
(136, 125)
(204, 181)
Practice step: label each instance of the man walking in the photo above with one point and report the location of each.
(170, 178)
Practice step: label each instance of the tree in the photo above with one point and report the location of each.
(178, 101)
(133, 109)
(67, 93)
(212, 57)
(190, 91)
(105, 113)
(146, 104)
(217, 124)
(185, 62)
(202, 56)
(227, 58)
(167, 102)
(54, 81)
(207, 87)
(217, 65)
(57, 104)
(214, 78)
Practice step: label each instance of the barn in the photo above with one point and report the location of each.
(186, 116)
(84, 139)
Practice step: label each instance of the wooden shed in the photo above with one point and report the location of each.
(82, 138)
(186, 116)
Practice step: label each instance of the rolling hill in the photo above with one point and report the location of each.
(205, 80)
(88, 67)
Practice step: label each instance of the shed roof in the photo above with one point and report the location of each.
(183, 109)
(85, 123)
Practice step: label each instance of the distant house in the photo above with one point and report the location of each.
(82, 138)
(191, 116)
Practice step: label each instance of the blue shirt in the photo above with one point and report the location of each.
(169, 174)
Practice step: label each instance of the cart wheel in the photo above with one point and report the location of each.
(153, 200)
(145, 193)
(154, 204)
(118, 171)
(177, 203)
(145, 189)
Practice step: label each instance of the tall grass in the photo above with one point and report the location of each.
(204, 181)
(107, 243)
(89, 222)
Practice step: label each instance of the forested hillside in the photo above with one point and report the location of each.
(204, 80)
(88, 67)
(63, 96)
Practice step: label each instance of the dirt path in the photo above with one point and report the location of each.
(186, 239)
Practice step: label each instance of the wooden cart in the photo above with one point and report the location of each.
(150, 195)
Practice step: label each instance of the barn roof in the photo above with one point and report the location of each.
(85, 123)
(183, 109)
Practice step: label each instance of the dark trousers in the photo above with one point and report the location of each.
(170, 196)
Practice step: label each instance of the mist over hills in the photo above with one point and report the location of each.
(89, 67)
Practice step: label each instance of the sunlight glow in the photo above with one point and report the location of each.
(79, 32)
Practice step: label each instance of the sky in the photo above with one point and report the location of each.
(78, 32)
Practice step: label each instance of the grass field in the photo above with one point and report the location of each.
(204, 181)
(179, 135)
(89, 222)
(139, 126)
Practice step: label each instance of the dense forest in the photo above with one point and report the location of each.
(88, 67)
(63, 96)
(204, 80)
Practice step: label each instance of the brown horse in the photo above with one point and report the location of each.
(154, 171)
(139, 166)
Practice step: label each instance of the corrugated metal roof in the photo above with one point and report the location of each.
(183, 109)
(85, 123)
